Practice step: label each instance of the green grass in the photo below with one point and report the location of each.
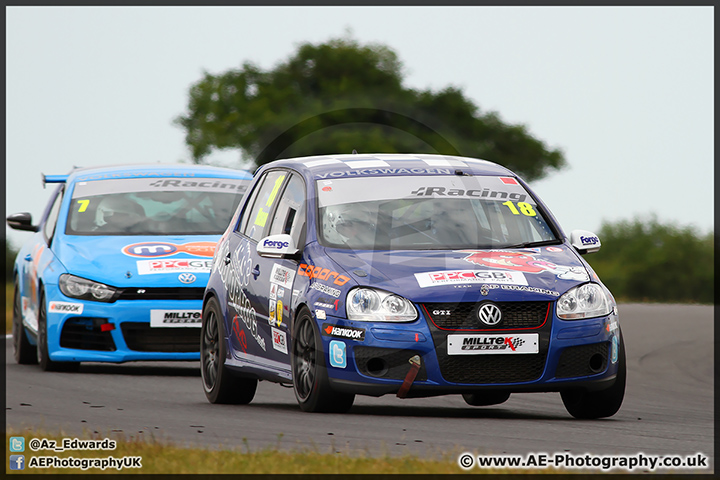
(165, 457)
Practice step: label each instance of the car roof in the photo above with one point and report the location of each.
(389, 164)
(150, 170)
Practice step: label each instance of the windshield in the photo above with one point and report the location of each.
(421, 213)
(152, 206)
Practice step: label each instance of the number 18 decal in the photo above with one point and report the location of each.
(525, 208)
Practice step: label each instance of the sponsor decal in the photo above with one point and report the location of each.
(320, 287)
(64, 307)
(279, 340)
(279, 312)
(553, 249)
(484, 289)
(323, 305)
(281, 293)
(100, 176)
(165, 249)
(350, 333)
(271, 315)
(273, 291)
(275, 244)
(186, 277)
(295, 294)
(234, 276)
(386, 171)
(322, 274)
(326, 302)
(614, 350)
(508, 181)
(221, 184)
(451, 277)
(148, 267)
(472, 193)
(282, 276)
(612, 325)
(239, 335)
(327, 189)
(320, 314)
(492, 344)
(589, 240)
(175, 318)
(338, 359)
(523, 288)
(523, 262)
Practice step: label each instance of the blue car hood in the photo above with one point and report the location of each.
(147, 261)
(542, 273)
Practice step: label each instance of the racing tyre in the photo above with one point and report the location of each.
(25, 353)
(585, 404)
(43, 358)
(219, 383)
(486, 398)
(310, 378)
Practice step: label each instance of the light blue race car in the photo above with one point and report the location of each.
(118, 263)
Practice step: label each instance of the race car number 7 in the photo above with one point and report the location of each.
(525, 208)
(83, 205)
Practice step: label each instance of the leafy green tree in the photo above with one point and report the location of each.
(10, 255)
(648, 261)
(338, 96)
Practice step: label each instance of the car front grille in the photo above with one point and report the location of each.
(463, 316)
(141, 337)
(176, 293)
(583, 360)
(498, 368)
(85, 333)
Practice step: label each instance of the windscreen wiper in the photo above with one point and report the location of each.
(542, 243)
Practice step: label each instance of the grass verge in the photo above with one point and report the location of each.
(166, 458)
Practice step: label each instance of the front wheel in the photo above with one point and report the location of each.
(219, 383)
(585, 404)
(310, 378)
(43, 357)
(24, 352)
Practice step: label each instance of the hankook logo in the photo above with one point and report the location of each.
(489, 314)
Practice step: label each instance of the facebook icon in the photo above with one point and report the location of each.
(17, 462)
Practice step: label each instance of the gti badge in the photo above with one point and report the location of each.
(186, 277)
(489, 314)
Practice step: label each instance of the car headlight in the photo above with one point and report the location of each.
(585, 301)
(371, 305)
(76, 287)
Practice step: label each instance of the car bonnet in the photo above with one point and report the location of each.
(529, 274)
(148, 261)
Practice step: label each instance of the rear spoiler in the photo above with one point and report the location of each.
(53, 179)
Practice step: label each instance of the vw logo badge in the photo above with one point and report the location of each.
(489, 314)
(186, 277)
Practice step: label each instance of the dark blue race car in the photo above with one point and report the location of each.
(117, 265)
(414, 275)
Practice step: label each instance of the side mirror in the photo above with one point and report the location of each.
(278, 246)
(22, 221)
(584, 241)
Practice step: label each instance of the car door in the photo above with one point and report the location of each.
(247, 299)
(38, 258)
(272, 279)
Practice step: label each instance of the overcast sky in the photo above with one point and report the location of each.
(626, 92)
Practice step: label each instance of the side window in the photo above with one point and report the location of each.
(290, 215)
(52, 218)
(258, 220)
(249, 205)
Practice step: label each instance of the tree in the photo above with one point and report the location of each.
(338, 96)
(644, 260)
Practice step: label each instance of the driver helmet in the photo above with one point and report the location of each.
(118, 210)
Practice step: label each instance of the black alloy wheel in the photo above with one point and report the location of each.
(24, 352)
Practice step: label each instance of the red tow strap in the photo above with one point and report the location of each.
(410, 377)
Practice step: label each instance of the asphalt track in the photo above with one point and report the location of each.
(668, 407)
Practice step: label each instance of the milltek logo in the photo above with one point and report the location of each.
(492, 343)
(344, 332)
